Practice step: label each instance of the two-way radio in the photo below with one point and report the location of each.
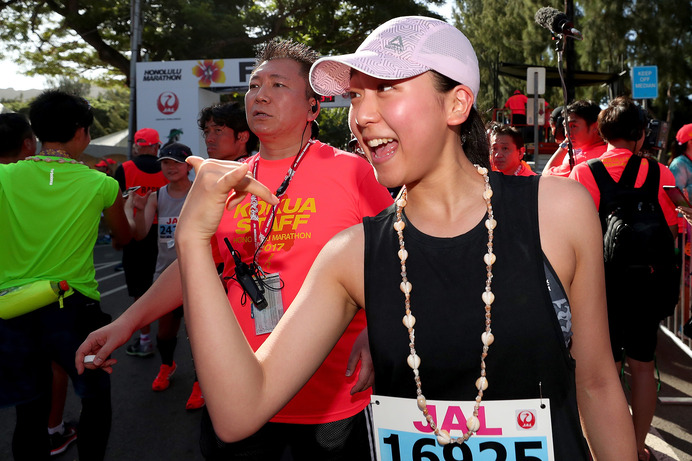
(246, 275)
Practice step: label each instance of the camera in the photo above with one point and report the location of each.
(655, 136)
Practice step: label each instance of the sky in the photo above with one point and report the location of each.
(12, 76)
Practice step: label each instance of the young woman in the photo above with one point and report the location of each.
(464, 255)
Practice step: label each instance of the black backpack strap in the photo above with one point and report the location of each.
(653, 177)
(631, 171)
(605, 183)
(600, 173)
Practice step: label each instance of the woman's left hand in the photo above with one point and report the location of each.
(218, 185)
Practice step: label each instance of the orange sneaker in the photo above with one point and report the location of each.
(163, 379)
(196, 399)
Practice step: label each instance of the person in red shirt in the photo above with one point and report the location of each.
(631, 330)
(582, 118)
(139, 257)
(507, 151)
(517, 104)
(323, 191)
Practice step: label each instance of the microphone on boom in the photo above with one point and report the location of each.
(556, 22)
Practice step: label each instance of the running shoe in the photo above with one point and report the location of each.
(196, 399)
(60, 442)
(140, 350)
(163, 379)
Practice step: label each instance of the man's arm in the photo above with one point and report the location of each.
(117, 222)
(555, 160)
(164, 296)
(119, 176)
(145, 217)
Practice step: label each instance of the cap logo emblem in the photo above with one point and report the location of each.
(396, 44)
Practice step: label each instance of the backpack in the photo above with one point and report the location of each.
(638, 247)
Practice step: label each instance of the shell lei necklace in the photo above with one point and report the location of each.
(63, 157)
(413, 360)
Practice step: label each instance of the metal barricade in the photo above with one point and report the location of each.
(674, 323)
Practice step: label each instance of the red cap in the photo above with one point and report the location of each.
(684, 134)
(147, 137)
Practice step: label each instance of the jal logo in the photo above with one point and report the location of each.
(167, 103)
(526, 419)
(455, 420)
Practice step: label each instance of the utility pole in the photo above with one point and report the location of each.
(135, 41)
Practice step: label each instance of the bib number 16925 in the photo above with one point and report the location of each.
(428, 450)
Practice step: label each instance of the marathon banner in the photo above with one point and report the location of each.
(171, 94)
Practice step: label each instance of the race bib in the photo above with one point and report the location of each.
(167, 229)
(518, 430)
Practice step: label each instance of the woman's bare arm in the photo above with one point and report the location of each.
(572, 240)
(244, 390)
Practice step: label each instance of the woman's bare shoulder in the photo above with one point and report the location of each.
(564, 198)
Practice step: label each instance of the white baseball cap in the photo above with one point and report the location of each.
(402, 48)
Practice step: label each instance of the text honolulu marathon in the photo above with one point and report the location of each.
(162, 74)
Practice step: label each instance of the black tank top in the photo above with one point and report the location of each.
(448, 276)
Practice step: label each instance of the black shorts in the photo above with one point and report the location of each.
(345, 440)
(633, 325)
(30, 342)
(139, 263)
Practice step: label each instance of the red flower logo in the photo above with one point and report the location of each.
(209, 72)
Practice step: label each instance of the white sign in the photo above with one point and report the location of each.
(533, 73)
(509, 429)
(171, 94)
(541, 111)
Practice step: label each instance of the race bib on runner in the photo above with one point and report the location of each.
(167, 230)
(267, 318)
(509, 430)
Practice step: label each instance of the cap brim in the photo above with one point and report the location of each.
(170, 158)
(331, 76)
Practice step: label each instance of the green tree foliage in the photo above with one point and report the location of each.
(629, 33)
(334, 127)
(68, 37)
(71, 37)
(619, 34)
(110, 108)
(503, 31)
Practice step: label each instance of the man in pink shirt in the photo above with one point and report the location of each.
(582, 117)
(632, 306)
(322, 191)
(507, 151)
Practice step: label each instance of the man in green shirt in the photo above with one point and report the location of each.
(51, 206)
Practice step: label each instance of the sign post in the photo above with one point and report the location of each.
(535, 85)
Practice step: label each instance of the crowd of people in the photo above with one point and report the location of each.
(310, 292)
